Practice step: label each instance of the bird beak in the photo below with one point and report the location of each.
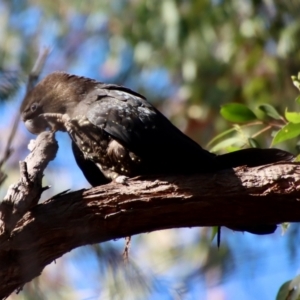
(36, 125)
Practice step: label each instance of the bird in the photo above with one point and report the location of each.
(117, 134)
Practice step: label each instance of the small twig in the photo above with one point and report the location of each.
(126, 249)
(261, 131)
(276, 125)
(2, 177)
(8, 150)
(253, 124)
(24, 173)
(37, 68)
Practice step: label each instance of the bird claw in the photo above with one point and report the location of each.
(54, 117)
(57, 121)
(122, 179)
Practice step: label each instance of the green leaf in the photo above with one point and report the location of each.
(290, 290)
(284, 227)
(289, 131)
(292, 117)
(233, 148)
(221, 135)
(296, 81)
(294, 288)
(214, 232)
(236, 112)
(253, 143)
(270, 111)
(284, 291)
(226, 143)
(297, 100)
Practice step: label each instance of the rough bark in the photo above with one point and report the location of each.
(26, 193)
(42, 233)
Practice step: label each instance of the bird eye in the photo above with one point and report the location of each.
(33, 107)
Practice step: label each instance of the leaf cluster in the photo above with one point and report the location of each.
(249, 124)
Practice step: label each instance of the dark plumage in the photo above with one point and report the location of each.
(115, 131)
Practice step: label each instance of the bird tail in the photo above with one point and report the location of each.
(255, 229)
(252, 157)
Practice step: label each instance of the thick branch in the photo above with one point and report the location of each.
(267, 194)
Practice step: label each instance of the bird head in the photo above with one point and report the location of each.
(57, 93)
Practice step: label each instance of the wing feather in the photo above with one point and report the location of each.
(138, 126)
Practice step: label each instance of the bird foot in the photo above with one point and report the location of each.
(57, 121)
(63, 122)
(122, 179)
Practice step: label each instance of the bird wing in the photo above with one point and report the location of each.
(128, 118)
(143, 130)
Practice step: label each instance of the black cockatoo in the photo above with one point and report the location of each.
(115, 133)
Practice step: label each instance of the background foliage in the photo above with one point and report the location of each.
(189, 58)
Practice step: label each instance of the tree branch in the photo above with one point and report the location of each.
(26, 193)
(244, 196)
